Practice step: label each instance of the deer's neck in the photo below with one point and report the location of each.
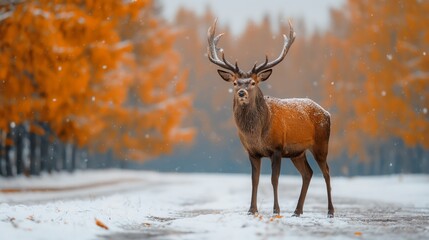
(252, 118)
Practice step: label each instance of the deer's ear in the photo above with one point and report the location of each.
(262, 76)
(227, 76)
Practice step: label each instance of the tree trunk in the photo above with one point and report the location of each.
(416, 159)
(9, 167)
(425, 162)
(2, 172)
(34, 161)
(64, 156)
(110, 159)
(51, 157)
(19, 141)
(376, 161)
(46, 163)
(56, 155)
(73, 159)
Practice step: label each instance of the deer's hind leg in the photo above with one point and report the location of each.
(306, 172)
(320, 154)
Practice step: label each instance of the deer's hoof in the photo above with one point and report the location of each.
(330, 215)
(276, 211)
(297, 213)
(252, 211)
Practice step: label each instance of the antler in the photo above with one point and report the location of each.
(212, 51)
(287, 43)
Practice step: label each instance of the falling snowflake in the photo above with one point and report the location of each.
(389, 56)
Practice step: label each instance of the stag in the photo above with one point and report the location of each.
(272, 127)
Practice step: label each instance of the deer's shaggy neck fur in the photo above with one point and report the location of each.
(252, 119)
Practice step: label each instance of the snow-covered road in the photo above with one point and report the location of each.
(148, 205)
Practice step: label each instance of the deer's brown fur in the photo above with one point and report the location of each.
(289, 126)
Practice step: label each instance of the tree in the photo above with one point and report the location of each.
(378, 75)
(68, 67)
(157, 99)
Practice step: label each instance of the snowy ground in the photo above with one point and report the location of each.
(148, 205)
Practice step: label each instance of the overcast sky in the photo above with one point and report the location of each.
(237, 12)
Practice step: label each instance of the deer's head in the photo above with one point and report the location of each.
(245, 83)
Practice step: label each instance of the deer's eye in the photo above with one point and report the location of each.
(235, 83)
(253, 83)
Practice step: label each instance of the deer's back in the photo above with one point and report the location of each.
(296, 124)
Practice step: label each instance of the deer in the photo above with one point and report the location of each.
(272, 127)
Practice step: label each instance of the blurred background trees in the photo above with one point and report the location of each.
(369, 69)
(98, 83)
(380, 84)
(87, 77)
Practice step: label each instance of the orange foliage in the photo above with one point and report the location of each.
(71, 65)
(378, 77)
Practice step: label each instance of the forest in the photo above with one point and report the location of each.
(98, 84)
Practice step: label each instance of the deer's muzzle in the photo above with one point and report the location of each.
(242, 96)
(241, 93)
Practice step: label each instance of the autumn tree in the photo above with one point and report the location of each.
(67, 69)
(157, 99)
(378, 77)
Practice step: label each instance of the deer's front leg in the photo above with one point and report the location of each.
(256, 170)
(275, 168)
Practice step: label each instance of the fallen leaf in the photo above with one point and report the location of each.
(146, 224)
(278, 216)
(31, 218)
(12, 221)
(101, 224)
(358, 234)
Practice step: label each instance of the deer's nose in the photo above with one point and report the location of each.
(241, 93)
